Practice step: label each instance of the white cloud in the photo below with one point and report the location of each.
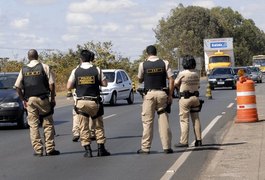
(20, 23)
(205, 3)
(78, 18)
(101, 6)
(69, 37)
(31, 38)
(110, 27)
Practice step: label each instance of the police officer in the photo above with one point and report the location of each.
(154, 73)
(34, 85)
(188, 82)
(86, 79)
(76, 129)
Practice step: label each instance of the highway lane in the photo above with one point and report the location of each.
(123, 131)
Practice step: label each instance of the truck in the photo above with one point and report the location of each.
(218, 52)
(259, 61)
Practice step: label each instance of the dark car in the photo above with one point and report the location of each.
(11, 107)
(222, 77)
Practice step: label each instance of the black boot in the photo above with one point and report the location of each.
(102, 151)
(88, 152)
(198, 143)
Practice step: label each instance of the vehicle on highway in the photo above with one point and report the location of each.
(222, 77)
(246, 70)
(11, 107)
(255, 74)
(259, 61)
(119, 87)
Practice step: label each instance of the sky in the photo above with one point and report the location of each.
(51, 25)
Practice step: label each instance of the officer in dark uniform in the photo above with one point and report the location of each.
(188, 82)
(86, 79)
(35, 85)
(154, 72)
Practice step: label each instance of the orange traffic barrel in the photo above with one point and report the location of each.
(246, 101)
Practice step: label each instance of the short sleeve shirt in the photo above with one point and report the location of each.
(86, 65)
(189, 81)
(154, 58)
(33, 63)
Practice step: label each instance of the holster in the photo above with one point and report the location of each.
(187, 94)
(100, 111)
(142, 91)
(197, 108)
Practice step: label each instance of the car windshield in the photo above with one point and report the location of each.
(221, 71)
(219, 59)
(7, 81)
(254, 69)
(237, 69)
(110, 76)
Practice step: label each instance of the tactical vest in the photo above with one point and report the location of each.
(35, 81)
(87, 82)
(155, 74)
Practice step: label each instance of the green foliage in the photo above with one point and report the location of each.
(10, 65)
(186, 27)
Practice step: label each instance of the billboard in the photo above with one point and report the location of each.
(218, 44)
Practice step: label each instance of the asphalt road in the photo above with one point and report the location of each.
(123, 131)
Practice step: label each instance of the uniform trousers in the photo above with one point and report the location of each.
(91, 108)
(155, 100)
(35, 107)
(185, 105)
(76, 129)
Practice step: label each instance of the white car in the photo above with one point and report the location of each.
(119, 87)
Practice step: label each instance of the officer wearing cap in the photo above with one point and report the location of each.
(154, 72)
(188, 83)
(35, 85)
(87, 79)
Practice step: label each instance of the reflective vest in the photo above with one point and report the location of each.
(87, 82)
(35, 81)
(155, 74)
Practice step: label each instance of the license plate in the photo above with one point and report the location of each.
(222, 82)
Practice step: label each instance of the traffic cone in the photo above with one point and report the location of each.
(246, 101)
(208, 91)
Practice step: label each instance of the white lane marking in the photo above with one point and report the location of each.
(109, 116)
(173, 169)
(230, 105)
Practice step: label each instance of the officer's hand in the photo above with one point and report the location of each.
(169, 100)
(53, 103)
(69, 94)
(25, 104)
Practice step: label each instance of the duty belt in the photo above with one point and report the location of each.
(187, 94)
(88, 98)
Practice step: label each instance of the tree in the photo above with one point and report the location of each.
(186, 27)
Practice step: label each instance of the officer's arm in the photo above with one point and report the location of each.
(52, 89)
(140, 73)
(20, 94)
(70, 85)
(141, 80)
(171, 85)
(177, 82)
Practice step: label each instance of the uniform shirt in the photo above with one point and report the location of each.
(33, 63)
(154, 58)
(188, 80)
(86, 65)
